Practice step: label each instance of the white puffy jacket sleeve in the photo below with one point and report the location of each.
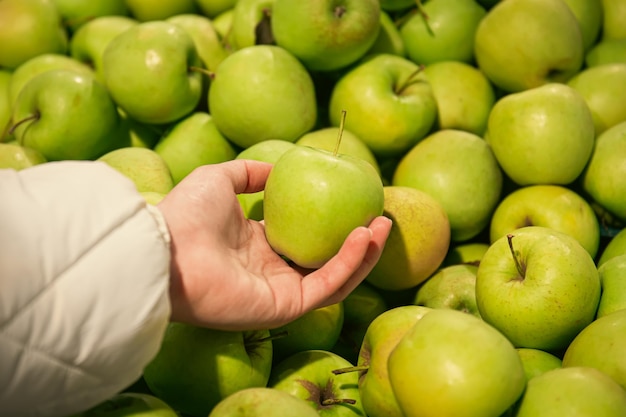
(84, 278)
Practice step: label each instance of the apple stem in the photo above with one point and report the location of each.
(340, 134)
(334, 401)
(521, 270)
(411, 79)
(422, 12)
(274, 336)
(17, 124)
(358, 368)
(209, 74)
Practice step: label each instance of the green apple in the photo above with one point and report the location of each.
(465, 253)
(262, 92)
(537, 361)
(543, 135)
(454, 364)
(76, 13)
(146, 168)
(197, 367)
(580, 391)
(214, 8)
(443, 30)
(5, 103)
(251, 23)
(588, 13)
(539, 287)
(29, 28)
(192, 142)
(19, 157)
(381, 337)
(267, 151)
(130, 132)
(314, 199)
(464, 96)
(454, 167)
(553, 206)
(65, 115)
(326, 35)
(223, 24)
(148, 10)
(155, 60)
(452, 287)
(603, 87)
(89, 42)
(317, 329)
(613, 281)
(614, 13)
(351, 144)
(610, 51)
(134, 404)
(604, 178)
(600, 345)
(262, 401)
(418, 241)
(396, 5)
(616, 246)
(389, 40)
(309, 375)
(522, 44)
(389, 104)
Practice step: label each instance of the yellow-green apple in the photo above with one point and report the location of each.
(588, 13)
(381, 337)
(452, 287)
(613, 281)
(326, 35)
(455, 167)
(19, 157)
(29, 28)
(251, 23)
(155, 60)
(314, 199)
(539, 287)
(214, 8)
(616, 246)
(65, 115)
(146, 168)
(604, 90)
(537, 361)
(317, 329)
(267, 151)
(133, 133)
(5, 103)
(464, 96)
(522, 44)
(262, 401)
(76, 13)
(198, 367)
(600, 345)
(89, 42)
(389, 40)
(604, 178)
(192, 142)
(454, 364)
(465, 253)
(418, 241)
(126, 404)
(554, 206)
(579, 391)
(223, 25)
(309, 375)
(262, 92)
(613, 15)
(389, 104)
(543, 135)
(148, 10)
(442, 30)
(610, 51)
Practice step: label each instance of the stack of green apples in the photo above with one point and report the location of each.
(492, 133)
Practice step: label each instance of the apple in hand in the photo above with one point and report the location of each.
(537, 361)
(326, 35)
(149, 71)
(198, 367)
(314, 199)
(522, 44)
(539, 287)
(613, 281)
(18, 157)
(452, 363)
(262, 401)
(127, 404)
(543, 135)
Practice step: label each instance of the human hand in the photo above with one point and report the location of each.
(224, 274)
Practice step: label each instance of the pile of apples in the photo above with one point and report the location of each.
(493, 133)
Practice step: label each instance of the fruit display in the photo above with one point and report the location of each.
(492, 133)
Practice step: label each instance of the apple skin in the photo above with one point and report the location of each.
(554, 297)
(615, 247)
(554, 206)
(19, 157)
(326, 35)
(250, 23)
(613, 280)
(614, 13)
(29, 28)
(5, 103)
(389, 106)
(589, 15)
(76, 13)
(465, 253)
(148, 10)
(579, 391)
(454, 167)
(262, 92)
(314, 199)
(153, 57)
(214, 8)
(455, 364)
(447, 34)
(134, 404)
(537, 361)
(197, 367)
(604, 176)
(389, 40)
(610, 51)
(262, 401)
(552, 151)
(522, 44)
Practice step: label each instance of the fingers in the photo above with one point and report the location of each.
(247, 176)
